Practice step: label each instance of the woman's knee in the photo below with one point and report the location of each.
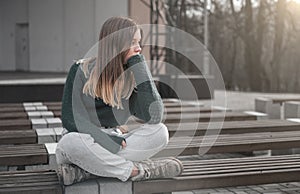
(70, 144)
(68, 139)
(165, 133)
(161, 133)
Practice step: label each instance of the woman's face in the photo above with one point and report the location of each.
(135, 45)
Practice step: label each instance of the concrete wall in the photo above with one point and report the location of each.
(11, 12)
(105, 9)
(73, 29)
(46, 35)
(60, 31)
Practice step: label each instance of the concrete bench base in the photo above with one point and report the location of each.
(49, 135)
(100, 186)
(265, 105)
(291, 109)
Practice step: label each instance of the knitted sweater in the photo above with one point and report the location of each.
(84, 114)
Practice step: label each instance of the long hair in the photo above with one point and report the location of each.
(107, 79)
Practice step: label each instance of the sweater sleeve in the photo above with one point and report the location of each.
(75, 116)
(145, 102)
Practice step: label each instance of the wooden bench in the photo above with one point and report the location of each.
(210, 173)
(15, 136)
(179, 146)
(23, 154)
(204, 174)
(247, 142)
(198, 174)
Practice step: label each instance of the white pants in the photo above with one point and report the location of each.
(81, 150)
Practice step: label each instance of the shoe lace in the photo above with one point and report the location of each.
(147, 173)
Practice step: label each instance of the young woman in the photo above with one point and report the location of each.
(100, 95)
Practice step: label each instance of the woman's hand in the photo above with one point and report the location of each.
(123, 144)
(123, 129)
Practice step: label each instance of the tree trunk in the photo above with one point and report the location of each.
(278, 44)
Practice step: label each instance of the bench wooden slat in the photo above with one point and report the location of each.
(206, 117)
(11, 105)
(191, 110)
(199, 170)
(15, 124)
(52, 103)
(24, 154)
(13, 115)
(178, 104)
(279, 100)
(232, 127)
(18, 137)
(11, 109)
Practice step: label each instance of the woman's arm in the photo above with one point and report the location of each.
(75, 116)
(145, 102)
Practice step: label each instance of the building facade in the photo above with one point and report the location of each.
(47, 35)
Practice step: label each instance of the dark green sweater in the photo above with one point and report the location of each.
(84, 114)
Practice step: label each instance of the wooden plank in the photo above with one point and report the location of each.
(191, 110)
(179, 104)
(11, 109)
(11, 105)
(13, 115)
(24, 154)
(15, 124)
(52, 103)
(206, 117)
(18, 137)
(231, 127)
(57, 113)
(280, 100)
(54, 108)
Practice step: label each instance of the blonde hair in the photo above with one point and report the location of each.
(107, 79)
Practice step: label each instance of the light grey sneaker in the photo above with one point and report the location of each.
(69, 174)
(157, 168)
